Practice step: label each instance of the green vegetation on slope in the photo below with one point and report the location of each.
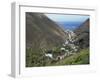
(36, 59)
(81, 57)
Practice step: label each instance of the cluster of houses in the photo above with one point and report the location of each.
(63, 51)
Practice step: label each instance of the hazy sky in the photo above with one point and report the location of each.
(67, 18)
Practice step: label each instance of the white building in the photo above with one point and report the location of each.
(49, 55)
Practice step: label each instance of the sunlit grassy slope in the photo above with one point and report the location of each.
(81, 57)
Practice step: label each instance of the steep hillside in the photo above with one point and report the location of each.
(42, 33)
(83, 34)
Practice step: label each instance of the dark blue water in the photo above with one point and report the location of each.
(69, 25)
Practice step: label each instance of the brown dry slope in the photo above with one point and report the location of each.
(42, 33)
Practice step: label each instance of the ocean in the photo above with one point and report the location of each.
(69, 25)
